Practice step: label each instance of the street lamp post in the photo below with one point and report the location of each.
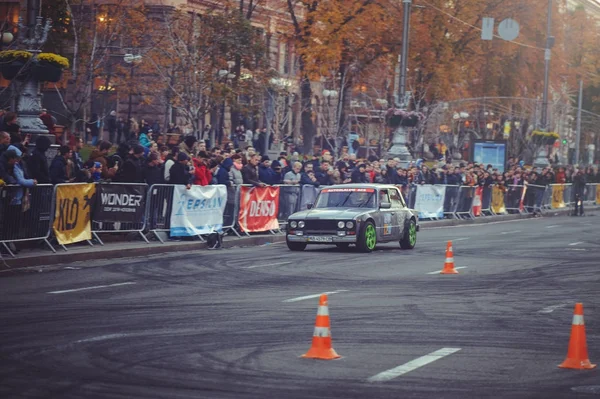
(132, 60)
(32, 37)
(399, 148)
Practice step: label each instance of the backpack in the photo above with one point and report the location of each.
(214, 241)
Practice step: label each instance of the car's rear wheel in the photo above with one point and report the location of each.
(409, 240)
(296, 246)
(342, 245)
(368, 238)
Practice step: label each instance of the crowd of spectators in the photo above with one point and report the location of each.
(141, 159)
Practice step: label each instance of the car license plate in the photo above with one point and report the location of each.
(320, 239)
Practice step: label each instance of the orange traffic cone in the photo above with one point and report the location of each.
(577, 356)
(321, 342)
(449, 264)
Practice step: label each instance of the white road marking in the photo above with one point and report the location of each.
(552, 226)
(270, 264)
(91, 288)
(550, 309)
(510, 232)
(413, 365)
(575, 243)
(101, 338)
(444, 242)
(302, 298)
(577, 249)
(457, 268)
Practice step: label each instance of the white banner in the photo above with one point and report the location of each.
(198, 210)
(430, 201)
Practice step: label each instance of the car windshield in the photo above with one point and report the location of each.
(346, 198)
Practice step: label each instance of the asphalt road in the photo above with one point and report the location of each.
(233, 323)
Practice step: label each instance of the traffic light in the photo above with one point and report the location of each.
(564, 141)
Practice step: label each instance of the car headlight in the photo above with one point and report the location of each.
(341, 225)
(301, 224)
(349, 225)
(293, 225)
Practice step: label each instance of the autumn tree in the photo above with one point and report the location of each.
(195, 61)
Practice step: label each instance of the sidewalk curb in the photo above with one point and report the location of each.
(140, 250)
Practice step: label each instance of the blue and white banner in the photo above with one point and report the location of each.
(198, 210)
(429, 201)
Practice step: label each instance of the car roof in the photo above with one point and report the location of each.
(363, 185)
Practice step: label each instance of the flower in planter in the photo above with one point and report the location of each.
(54, 59)
(14, 55)
(538, 135)
(400, 117)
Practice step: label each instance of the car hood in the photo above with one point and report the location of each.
(325, 214)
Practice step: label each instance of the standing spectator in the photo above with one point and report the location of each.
(4, 142)
(359, 174)
(250, 172)
(579, 182)
(93, 128)
(47, 120)
(277, 173)
(202, 175)
(324, 175)
(308, 176)
(265, 173)
(37, 163)
(180, 172)
(121, 130)
(79, 173)
(111, 126)
(132, 129)
(132, 170)
(59, 169)
(235, 173)
(222, 172)
(153, 170)
(188, 146)
(293, 176)
(144, 139)
(169, 162)
(99, 155)
(11, 126)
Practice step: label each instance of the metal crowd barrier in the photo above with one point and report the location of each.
(464, 209)
(100, 225)
(159, 205)
(512, 198)
(26, 214)
(590, 193)
(232, 208)
(486, 202)
(534, 198)
(451, 201)
(289, 199)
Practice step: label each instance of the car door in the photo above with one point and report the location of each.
(388, 229)
(400, 211)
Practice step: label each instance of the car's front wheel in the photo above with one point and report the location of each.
(296, 246)
(367, 239)
(409, 240)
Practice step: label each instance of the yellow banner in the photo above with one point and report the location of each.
(73, 209)
(498, 206)
(558, 196)
(597, 194)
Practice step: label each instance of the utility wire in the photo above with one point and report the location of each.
(479, 29)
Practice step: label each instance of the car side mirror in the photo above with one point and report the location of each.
(385, 205)
(309, 206)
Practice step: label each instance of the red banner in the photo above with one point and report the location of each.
(259, 207)
(477, 201)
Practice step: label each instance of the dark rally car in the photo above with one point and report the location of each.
(358, 214)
